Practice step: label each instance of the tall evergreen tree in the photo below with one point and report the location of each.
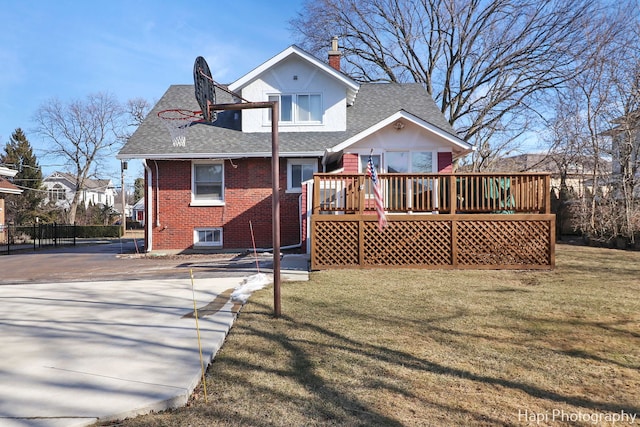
(23, 208)
(139, 189)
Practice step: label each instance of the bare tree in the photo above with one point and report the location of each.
(137, 110)
(588, 105)
(565, 136)
(626, 141)
(82, 133)
(486, 63)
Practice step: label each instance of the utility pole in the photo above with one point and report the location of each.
(123, 167)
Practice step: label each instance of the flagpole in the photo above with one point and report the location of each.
(377, 192)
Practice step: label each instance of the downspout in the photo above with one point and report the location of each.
(157, 194)
(309, 213)
(324, 161)
(148, 207)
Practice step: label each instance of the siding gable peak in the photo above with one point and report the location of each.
(350, 85)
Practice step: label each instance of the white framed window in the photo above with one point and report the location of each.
(301, 108)
(409, 161)
(421, 162)
(364, 159)
(299, 171)
(364, 165)
(207, 237)
(309, 108)
(57, 193)
(207, 183)
(411, 193)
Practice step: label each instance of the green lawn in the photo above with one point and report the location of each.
(433, 348)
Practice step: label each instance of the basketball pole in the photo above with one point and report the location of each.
(275, 187)
(205, 92)
(275, 177)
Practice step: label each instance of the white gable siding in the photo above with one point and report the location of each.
(409, 138)
(62, 187)
(280, 80)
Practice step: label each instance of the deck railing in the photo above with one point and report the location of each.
(434, 193)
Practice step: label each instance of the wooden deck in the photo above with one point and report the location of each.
(492, 221)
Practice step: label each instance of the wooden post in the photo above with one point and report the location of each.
(454, 242)
(315, 201)
(453, 196)
(361, 193)
(361, 236)
(547, 196)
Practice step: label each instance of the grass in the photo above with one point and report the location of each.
(433, 348)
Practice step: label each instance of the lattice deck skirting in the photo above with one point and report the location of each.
(483, 241)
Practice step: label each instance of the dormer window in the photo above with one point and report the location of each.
(299, 108)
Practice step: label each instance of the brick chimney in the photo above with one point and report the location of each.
(334, 54)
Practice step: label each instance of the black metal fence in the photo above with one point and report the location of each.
(13, 238)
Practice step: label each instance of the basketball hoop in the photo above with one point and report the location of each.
(177, 121)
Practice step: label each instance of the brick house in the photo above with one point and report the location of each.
(205, 195)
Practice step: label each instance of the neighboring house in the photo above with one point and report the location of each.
(61, 188)
(117, 207)
(137, 212)
(579, 174)
(6, 187)
(212, 192)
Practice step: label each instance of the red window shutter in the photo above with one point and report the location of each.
(445, 162)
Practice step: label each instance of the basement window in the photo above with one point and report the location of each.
(211, 237)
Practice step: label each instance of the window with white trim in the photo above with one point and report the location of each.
(301, 108)
(364, 166)
(364, 160)
(57, 193)
(422, 162)
(417, 192)
(207, 237)
(409, 161)
(299, 171)
(207, 185)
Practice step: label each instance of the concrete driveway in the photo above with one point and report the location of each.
(115, 260)
(92, 333)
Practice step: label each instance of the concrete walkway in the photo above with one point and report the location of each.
(76, 352)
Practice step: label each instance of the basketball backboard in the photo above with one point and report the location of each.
(204, 88)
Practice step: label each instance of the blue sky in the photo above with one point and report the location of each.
(68, 49)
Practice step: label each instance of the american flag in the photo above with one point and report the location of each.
(377, 194)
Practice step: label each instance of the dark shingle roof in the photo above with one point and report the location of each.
(374, 102)
(89, 184)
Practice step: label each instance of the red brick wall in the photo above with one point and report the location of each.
(350, 163)
(247, 198)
